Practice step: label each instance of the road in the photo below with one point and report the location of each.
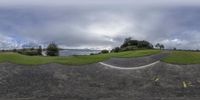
(160, 81)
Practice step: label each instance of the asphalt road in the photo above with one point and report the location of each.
(135, 62)
(161, 81)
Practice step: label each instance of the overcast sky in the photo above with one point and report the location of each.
(99, 24)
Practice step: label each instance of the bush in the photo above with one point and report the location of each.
(139, 44)
(145, 44)
(94, 53)
(39, 50)
(14, 50)
(29, 52)
(128, 48)
(52, 50)
(104, 51)
(116, 49)
(32, 49)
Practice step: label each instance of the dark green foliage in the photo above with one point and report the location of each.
(130, 44)
(52, 50)
(23, 49)
(160, 46)
(32, 49)
(28, 52)
(14, 50)
(133, 42)
(157, 45)
(174, 49)
(144, 44)
(39, 50)
(104, 51)
(126, 42)
(92, 54)
(128, 48)
(116, 49)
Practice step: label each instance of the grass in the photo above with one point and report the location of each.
(183, 57)
(71, 60)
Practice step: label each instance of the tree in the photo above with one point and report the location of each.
(52, 50)
(126, 42)
(116, 49)
(162, 46)
(104, 51)
(174, 48)
(133, 42)
(32, 49)
(39, 50)
(14, 50)
(144, 44)
(157, 45)
(23, 49)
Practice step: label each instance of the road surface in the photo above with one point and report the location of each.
(160, 81)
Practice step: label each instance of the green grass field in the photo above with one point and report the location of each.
(71, 60)
(183, 57)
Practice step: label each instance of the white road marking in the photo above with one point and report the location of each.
(130, 68)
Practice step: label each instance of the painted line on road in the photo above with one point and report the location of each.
(130, 68)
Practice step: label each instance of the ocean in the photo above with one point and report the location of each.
(70, 52)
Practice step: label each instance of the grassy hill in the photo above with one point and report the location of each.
(71, 60)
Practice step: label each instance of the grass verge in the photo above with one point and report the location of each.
(71, 60)
(183, 57)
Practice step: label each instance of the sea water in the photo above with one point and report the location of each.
(70, 52)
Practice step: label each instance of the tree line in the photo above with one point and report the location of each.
(51, 50)
(130, 44)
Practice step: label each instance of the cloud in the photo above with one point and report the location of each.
(56, 3)
(7, 42)
(101, 24)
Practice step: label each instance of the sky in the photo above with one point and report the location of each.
(99, 24)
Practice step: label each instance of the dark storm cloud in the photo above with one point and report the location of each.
(98, 25)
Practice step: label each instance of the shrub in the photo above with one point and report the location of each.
(128, 48)
(39, 50)
(104, 51)
(32, 49)
(139, 44)
(116, 49)
(52, 50)
(29, 52)
(14, 50)
(144, 44)
(161, 46)
(92, 54)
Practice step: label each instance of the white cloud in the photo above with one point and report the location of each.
(7, 42)
(103, 24)
(97, 2)
(175, 43)
(109, 26)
